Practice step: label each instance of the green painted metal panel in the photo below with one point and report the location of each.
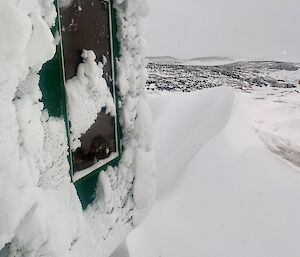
(52, 83)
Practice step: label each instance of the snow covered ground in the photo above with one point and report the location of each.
(221, 191)
(275, 116)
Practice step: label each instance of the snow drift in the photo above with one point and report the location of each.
(233, 197)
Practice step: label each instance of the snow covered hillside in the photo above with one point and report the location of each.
(213, 60)
(221, 191)
(172, 77)
(270, 92)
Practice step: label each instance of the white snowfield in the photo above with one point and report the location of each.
(221, 192)
(275, 116)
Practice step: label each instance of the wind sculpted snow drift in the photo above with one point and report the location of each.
(40, 213)
(228, 195)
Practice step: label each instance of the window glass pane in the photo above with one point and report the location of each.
(86, 25)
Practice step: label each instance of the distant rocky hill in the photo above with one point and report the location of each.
(164, 60)
(179, 77)
(210, 60)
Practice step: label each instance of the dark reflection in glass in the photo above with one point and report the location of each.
(96, 144)
(86, 25)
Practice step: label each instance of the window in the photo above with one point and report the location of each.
(87, 25)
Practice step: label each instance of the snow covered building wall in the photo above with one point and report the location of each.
(40, 211)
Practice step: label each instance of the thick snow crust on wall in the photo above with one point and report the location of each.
(40, 213)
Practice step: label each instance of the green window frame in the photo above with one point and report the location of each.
(52, 84)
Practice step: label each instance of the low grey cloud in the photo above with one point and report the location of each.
(238, 28)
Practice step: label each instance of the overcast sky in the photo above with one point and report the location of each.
(236, 28)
